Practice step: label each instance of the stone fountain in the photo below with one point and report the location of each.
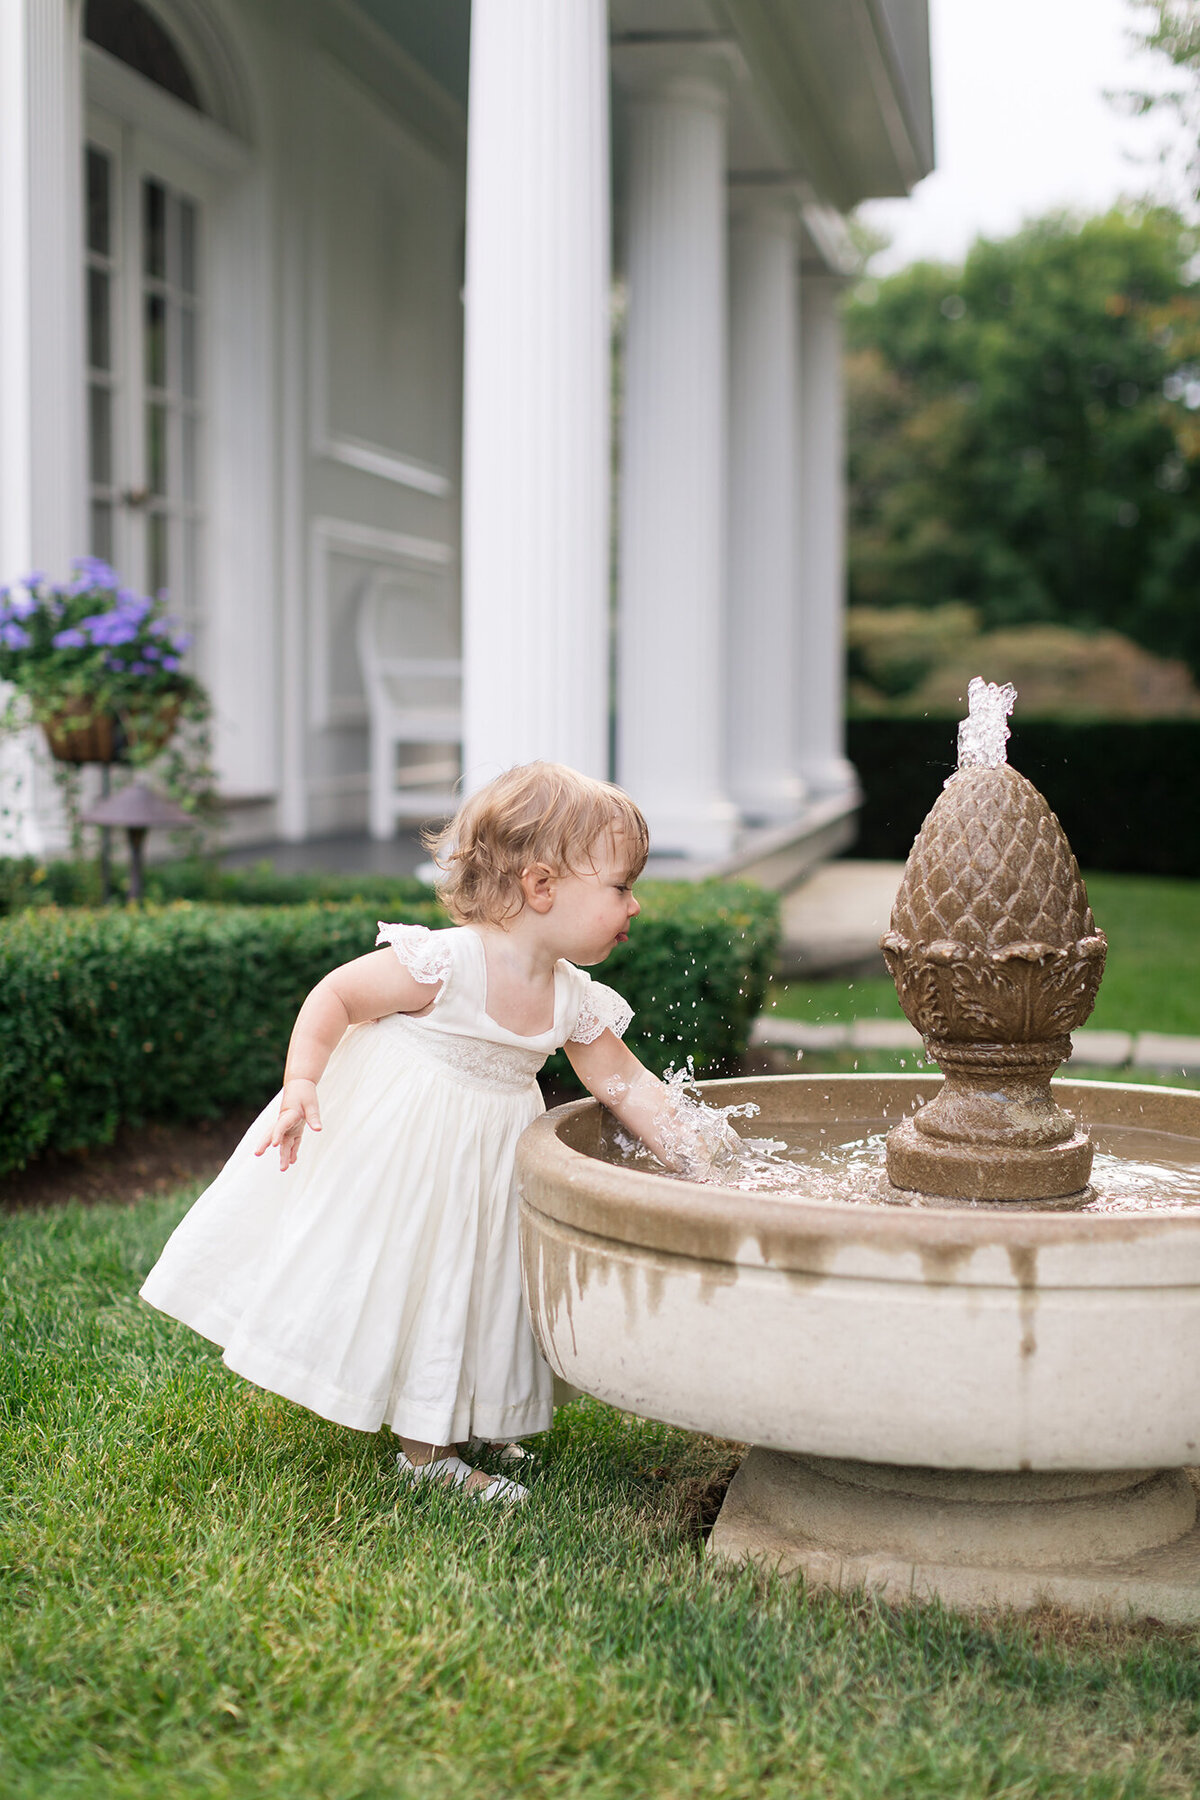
(978, 1387)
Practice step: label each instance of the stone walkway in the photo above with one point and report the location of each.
(833, 921)
(1092, 1049)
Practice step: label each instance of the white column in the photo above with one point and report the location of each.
(42, 447)
(762, 648)
(536, 407)
(670, 724)
(821, 705)
(42, 489)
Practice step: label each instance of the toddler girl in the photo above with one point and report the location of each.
(375, 1279)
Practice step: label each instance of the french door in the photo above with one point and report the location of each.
(144, 275)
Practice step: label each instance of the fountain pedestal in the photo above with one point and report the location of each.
(1109, 1543)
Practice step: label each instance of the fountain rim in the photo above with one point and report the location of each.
(708, 1223)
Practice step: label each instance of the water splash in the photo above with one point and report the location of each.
(700, 1144)
(983, 734)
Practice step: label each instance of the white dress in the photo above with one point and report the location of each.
(377, 1281)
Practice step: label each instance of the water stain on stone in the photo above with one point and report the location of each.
(940, 1263)
(811, 1251)
(1023, 1262)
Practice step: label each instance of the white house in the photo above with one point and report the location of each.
(309, 299)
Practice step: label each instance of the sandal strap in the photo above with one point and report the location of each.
(449, 1468)
(501, 1488)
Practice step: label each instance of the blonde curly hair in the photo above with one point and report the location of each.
(540, 812)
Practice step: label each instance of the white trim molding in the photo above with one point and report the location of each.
(389, 465)
(117, 89)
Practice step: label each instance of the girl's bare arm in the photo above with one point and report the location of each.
(647, 1108)
(370, 987)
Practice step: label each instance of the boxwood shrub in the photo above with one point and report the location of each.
(28, 881)
(184, 1011)
(1127, 790)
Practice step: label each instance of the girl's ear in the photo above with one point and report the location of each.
(537, 885)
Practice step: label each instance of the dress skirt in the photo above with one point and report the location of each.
(377, 1281)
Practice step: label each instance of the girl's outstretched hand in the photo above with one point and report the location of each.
(297, 1108)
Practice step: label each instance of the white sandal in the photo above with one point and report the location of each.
(505, 1452)
(453, 1471)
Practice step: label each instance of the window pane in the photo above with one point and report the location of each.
(99, 295)
(102, 530)
(186, 599)
(187, 352)
(156, 449)
(99, 223)
(156, 552)
(154, 229)
(100, 436)
(187, 246)
(130, 32)
(188, 466)
(156, 340)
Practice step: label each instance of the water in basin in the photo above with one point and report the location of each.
(1136, 1170)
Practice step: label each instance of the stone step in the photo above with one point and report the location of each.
(1096, 1049)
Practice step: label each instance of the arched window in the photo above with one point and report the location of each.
(132, 34)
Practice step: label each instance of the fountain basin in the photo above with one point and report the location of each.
(970, 1338)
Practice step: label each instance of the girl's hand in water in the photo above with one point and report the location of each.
(297, 1108)
(689, 1138)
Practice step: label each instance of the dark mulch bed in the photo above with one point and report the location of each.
(144, 1160)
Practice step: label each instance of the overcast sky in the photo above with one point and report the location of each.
(1022, 123)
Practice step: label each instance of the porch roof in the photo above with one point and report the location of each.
(838, 95)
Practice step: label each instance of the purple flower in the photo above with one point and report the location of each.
(116, 665)
(140, 668)
(110, 628)
(93, 571)
(13, 636)
(71, 639)
(171, 663)
(20, 603)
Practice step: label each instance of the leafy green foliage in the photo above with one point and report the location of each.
(29, 881)
(1024, 435)
(184, 1012)
(1127, 791)
(1171, 29)
(911, 661)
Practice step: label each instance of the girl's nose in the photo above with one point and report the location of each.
(635, 906)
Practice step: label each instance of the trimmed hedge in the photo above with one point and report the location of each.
(184, 1012)
(25, 881)
(1127, 791)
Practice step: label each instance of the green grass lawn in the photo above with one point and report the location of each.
(209, 1592)
(1151, 982)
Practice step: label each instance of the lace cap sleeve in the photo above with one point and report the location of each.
(602, 1009)
(424, 953)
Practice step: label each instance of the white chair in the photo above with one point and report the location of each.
(414, 704)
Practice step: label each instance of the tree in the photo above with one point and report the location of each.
(1025, 431)
(1171, 29)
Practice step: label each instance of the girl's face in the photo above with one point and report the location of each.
(592, 910)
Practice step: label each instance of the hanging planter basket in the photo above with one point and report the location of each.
(76, 737)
